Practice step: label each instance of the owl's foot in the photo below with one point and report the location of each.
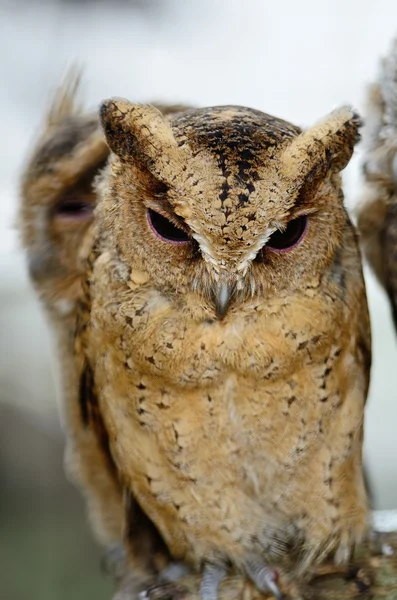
(136, 584)
(212, 576)
(263, 577)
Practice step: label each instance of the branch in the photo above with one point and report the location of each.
(371, 575)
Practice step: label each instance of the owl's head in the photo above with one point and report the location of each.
(58, 198)
(227, 203)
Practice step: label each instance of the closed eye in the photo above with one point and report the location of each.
(165, 230)
(284, 241)
(74, 209)
(77, 204)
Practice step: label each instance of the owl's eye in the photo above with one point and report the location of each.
(282, 241)
(165, 230)
(74, 209)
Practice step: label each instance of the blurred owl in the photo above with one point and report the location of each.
(377, 212)
(58, 200)
(222, 340)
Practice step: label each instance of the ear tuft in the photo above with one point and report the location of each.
(328, 145)
(342, 133)
(113, 115)
(137, 132)
(65, 102)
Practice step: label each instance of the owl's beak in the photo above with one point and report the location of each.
(222, 296)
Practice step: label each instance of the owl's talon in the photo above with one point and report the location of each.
(264, 578)
(212, 576)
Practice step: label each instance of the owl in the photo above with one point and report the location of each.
(222, 340)
(57, 204)
(377, 212)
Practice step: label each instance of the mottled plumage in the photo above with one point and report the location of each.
(223, 337)
(57, 202)
(377, 212)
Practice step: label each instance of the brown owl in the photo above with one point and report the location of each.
(377, 213)
(58, 199)
(223, 341)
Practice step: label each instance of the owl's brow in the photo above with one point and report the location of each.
(160, 203)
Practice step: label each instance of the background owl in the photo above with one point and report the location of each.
(223, 342)
(58, 199)
(377, 213)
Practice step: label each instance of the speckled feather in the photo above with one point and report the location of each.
(240, 437)
(68, 155)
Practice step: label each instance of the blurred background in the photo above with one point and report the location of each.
(297, 60)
